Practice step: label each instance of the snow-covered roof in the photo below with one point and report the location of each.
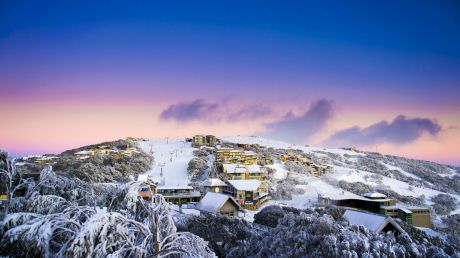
(245, 185)
(374, 195)
(374, 222)
(406, 210)
(213, 182)
(212, 202)
(253, 168)
(174, 187)
(234, 168)
(238, 168)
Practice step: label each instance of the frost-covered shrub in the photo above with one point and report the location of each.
(196, 168)
(104, 168)
(230, 231)
(298, 168)
(355, 187)
(50, 223)
(269, 216)
(202, 153)
(444, 204)
(452, 229)
(283, 190)
(319, 235)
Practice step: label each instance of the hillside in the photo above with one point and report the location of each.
(107, 162)
(409, 180)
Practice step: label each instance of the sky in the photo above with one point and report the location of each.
(380, 76)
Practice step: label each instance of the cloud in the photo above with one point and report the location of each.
(399, 131)
(188, 111)
(201, 110)
(298, 129)
(249, 113)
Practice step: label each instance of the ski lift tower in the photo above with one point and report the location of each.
(161, 165)
(151, 150)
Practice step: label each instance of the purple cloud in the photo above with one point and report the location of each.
(299, 129)
(399, 131)
(199, 110)
(188, 111)
(249, 113)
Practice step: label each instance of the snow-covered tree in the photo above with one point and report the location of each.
(11, 181)
(36, 235)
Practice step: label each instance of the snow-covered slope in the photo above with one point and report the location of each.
(404, 176)
(171, 157)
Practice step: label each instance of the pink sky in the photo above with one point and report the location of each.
(56, 126)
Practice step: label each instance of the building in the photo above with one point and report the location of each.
(103, 150)
(229, 155)
(218, 203)
(372, 204)
(248, 193)
(198, 140)
(294, 157)
(318, 170)
(46, 160)
(413, 215)
(213, 185)
(247, 146)
(178, 194)
(245, 172)
(248, 158)
(211, 140)
(264, 160)
(375, 222)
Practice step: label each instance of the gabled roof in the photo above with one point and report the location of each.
(374, 222)
(213, 182)
(245, 185)
(213, 202)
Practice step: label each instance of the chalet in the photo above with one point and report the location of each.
(244, 172)
(218, 203)
(249, 193)
(178, 194)
(375, 222)
(213, 185)
(413, 215)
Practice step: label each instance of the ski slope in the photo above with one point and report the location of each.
(171, 161)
